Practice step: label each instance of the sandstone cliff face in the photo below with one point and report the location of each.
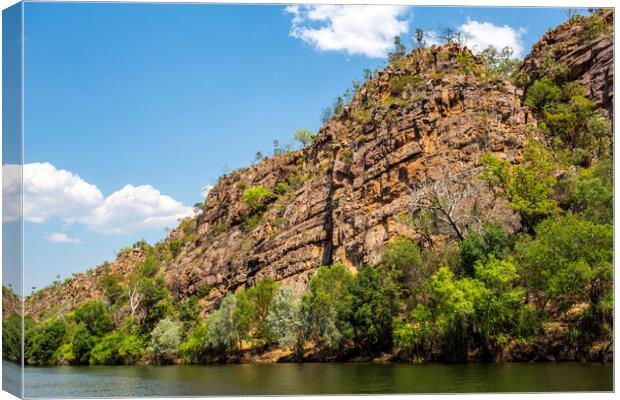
(585, 47)
(427, 118)
(355, 178)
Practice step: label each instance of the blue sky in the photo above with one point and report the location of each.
(166, 98)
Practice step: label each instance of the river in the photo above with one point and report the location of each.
(312, 378)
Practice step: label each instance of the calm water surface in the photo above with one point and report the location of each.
(314, 378)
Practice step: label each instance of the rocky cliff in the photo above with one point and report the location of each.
(424, 120)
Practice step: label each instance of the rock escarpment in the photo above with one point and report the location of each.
(430, 116)
(425, 119)
(584, 47)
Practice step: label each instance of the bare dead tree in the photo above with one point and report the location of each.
(451, 200)
(450, 35)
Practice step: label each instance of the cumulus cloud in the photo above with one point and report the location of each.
(57, 237)
(367, 30)
(480, 35)
(135, 208)
(11, 194)
(58, 194)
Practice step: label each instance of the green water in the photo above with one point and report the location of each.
(314, 378)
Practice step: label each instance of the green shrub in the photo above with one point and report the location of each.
(398, 84)
(281, 188)
(542, 93)
(257, 197)
(252, 222)
(175, 247)
(204, 290)
(594, 26)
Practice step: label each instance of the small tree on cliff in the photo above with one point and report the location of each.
(304, 137)
(399, 50)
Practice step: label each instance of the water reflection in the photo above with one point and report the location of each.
(314, 378)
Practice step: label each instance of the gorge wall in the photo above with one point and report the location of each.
(425, 119)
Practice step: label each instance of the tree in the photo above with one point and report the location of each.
(448, 199)
(44, 341)
(304, 137)
(12, 337)
(165, 340)
(155, 303)
(326, 307)
(450, 35)
(569, 261)
(189, 310)
(592, 192)
(107, 350)
(82, 343)
(404, 264)
(542, 94)
(420, 37)
(251, 309)
(95, 317)
(570, 122)
(398, 52)
(112, 290)
(479, 245)
(500, 62)
(284, 317)
(415, 336)
(194, 348)
(483, 312)
(222, 334)
(373, 307)
(528, 187)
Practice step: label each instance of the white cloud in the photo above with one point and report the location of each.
(135, 208)
(57, 237)
(205, 190)
(356, 29)
(50, 193)
(11, 195)
(480, 35)
(53, 193)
